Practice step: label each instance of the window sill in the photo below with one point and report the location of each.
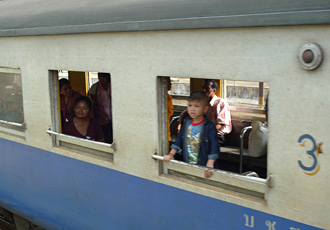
(13, 128)
(83, 145)
(253, 186)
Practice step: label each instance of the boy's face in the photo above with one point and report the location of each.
(196, 109)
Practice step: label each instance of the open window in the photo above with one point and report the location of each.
(242, 164)
(11, 102)
(82, 111)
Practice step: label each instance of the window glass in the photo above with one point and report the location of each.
(11, 100)
(180, 86)
(92, 78)
(245, 92)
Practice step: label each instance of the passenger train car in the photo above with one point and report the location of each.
(56, 181)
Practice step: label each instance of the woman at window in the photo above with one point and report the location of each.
(82, 125)
(68, 97)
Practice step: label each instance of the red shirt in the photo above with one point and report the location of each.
(94, 130)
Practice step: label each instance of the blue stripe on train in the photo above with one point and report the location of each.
(58, 192)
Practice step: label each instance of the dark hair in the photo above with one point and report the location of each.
(106, 75)
(85, 99)
(214, 85)
(63, 81)
(199, 96)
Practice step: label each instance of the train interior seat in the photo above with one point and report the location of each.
(254, 148)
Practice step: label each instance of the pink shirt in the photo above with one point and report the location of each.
(219, 113)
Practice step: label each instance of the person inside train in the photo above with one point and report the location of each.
(82, 125)
(197, 140)
(100, 94)
(67, 99)
(218, 112)
(170, 108)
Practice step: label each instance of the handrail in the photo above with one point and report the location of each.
(21, 125)
(81, 140)
(241, 145)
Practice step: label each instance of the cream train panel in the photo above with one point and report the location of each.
(298, 101)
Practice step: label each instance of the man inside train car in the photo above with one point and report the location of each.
(218, 112)
(100, 93)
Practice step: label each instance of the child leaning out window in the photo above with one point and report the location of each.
(197, 140)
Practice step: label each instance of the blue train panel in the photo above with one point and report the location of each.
(58, 192)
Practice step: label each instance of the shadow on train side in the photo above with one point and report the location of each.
(244, 149)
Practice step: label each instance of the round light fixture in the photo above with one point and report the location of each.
(310, 56)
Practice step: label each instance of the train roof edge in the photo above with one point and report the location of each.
(46, 17)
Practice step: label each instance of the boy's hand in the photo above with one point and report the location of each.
(208, 173)
(168, 157)
(209, 164)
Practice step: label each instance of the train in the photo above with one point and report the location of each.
(57, 181)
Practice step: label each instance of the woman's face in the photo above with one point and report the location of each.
(66, 90)
(81, 110)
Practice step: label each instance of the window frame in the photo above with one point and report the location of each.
(243, 184)
(59, 139)
(14, 128)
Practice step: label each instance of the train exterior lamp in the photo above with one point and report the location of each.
(310, 56)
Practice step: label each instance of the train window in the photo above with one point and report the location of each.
(245, 92)
(243, 133)
(11, 101)
(82, 111)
